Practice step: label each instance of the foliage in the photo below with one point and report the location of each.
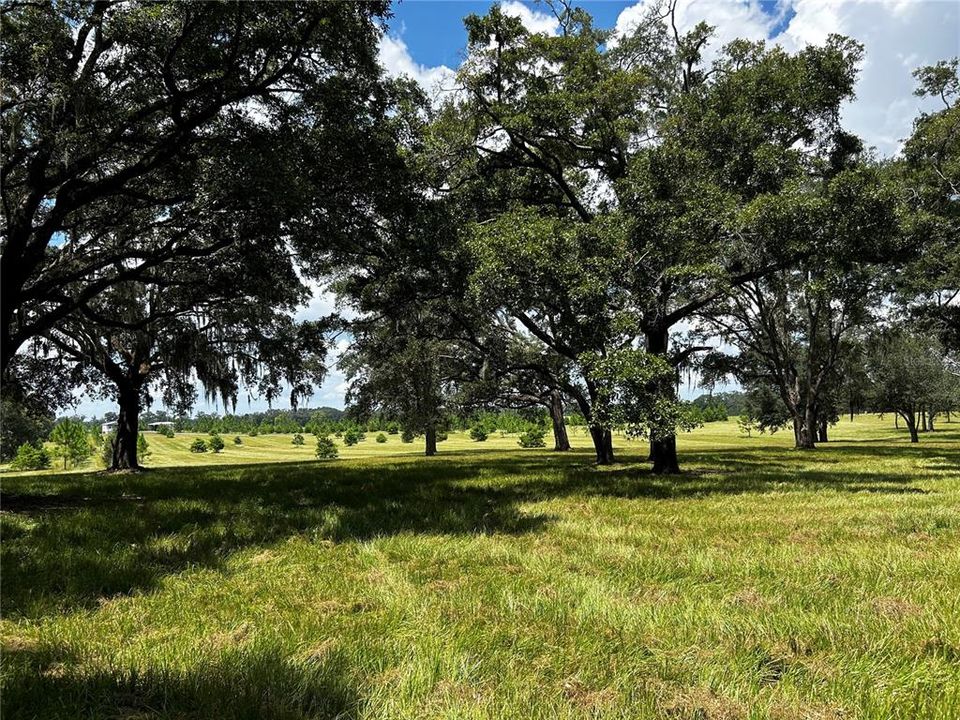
(351, 437)
(478, 433)
(216, 443)
(143, 448)
(198, 446)
(30, 457)
(381, 438)
(238, 440)
(71, 442)
(326, 448)
(532, 438)
(407, 436)
(297, 439)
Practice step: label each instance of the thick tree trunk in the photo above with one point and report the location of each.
(431, 438)
(561, 442)
(923, 420)
(128, 428)
(603, 444)
(663, 450)
(804, 427)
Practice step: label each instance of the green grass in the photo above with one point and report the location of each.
(492, 582)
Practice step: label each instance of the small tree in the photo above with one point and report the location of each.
(351, 437)
(297, 439)
(478, 433)
(216, 443)
(238, 440)
(198, 446)
(908, 375)
(381, 438)
(30, 457)
(326, 448)
(143, 448)
(407, 436)
(71, 442)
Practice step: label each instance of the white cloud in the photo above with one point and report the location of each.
(535, 21)
(397, 61)
(898, 36)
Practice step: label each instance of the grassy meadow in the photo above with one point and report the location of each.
(491, 582)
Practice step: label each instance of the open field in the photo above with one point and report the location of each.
(491, 582)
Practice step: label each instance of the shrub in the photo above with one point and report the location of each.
(143, 448)
(478, 433)
(166, 431)
(326, 448)
(30, 457)
(351, 437)
(532, 438)
(253, 432)
(407, 436)
(441, 435)
(381, 438)
(216, 443)
(393, 428)
(297, 439)
(106, 448)
(198, 446)
(238, 440)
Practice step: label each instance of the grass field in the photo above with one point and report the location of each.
(492, 582)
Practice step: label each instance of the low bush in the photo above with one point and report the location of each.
(297, 439)
(407, 436)
(31, 457)
(351, 437)
(532, 438)
(216, 443)
(238, 440)
(381, 438)
(198, 446)
(478, 433)
(326, 448)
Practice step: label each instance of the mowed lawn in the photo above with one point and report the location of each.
(492, 582)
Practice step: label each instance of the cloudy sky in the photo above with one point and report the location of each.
(425, 41)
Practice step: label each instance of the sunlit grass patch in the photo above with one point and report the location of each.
(492, 582)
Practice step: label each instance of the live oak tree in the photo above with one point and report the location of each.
(908, 376)
(929, 174)
(109, 109)
(228, 329)
(793, 326)
(614, 169)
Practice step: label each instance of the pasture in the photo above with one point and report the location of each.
(491, 582)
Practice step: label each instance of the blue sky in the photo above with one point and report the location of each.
(425, 40)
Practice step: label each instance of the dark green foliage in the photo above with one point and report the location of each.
(441, 435)
(143, 448)
(216, 443)
(381, 438)
(297, 439)
(166, 431)
(30, 457)
(351, 437)
(106, 448)
(478, 433)
(326, 448)
(198, 446)
(532, 438)
(238, 440)
(408, 436)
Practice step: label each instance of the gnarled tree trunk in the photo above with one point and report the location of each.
(561, 442)
(128, 427)
(663, 449)
(603, 444)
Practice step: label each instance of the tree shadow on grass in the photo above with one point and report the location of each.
(70, 540)
(240, 684)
